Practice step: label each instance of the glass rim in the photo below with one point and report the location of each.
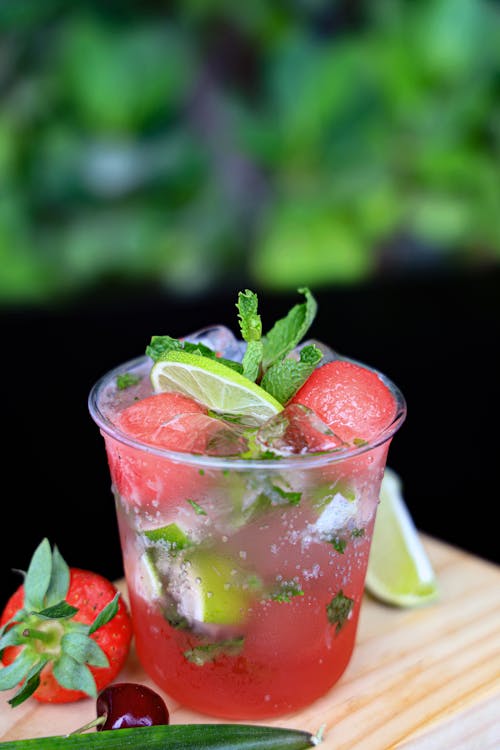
(294, 461)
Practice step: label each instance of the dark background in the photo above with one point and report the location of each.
(435, 336)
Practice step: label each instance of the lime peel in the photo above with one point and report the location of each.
(399, 570)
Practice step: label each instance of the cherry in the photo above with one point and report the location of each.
(127, 704)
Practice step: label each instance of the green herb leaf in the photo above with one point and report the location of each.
(74, 676)
(293, 498)
(208, 652)
(252, 360)
(59, 579)
(37, 581)
(126, 380)
(250, 322)
(338, 610)
(290, 330)
(197, 507)
(161, 345)
(84, 650)
(283, 379)
(106, 614)
(286, 591)
(338, 544)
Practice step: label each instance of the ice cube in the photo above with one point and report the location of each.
(221, 340)
(203, 434)
(297, 430)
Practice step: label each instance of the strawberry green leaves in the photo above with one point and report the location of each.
(45, 632)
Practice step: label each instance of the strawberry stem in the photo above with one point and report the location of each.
(41, 635)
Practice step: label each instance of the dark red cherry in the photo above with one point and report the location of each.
(128, 704)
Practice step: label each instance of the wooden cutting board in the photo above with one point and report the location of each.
(422, 679)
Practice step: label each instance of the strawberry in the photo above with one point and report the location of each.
(64, 634)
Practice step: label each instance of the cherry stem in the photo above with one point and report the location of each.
(94, 723)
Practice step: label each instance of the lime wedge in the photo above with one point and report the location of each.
(172, 535)
(399, 570)
(148, 578)
(213, 384)
(215, 591)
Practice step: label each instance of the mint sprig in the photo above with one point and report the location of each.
(265, 360)
(289, 331)
(284, 378)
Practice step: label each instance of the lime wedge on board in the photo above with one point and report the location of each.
(399, 570)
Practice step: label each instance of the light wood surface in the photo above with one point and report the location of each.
(421, 679)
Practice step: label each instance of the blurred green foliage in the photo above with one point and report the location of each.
(194, 142)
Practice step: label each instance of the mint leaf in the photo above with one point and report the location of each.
(338, 610)
(37, 581)
(208, 652)
(160, 345)
(250, 322)
(286, 591)
(197, 508)
(283, 379)
(293, 498)
(251, 331)
(289, 331)
(252, 360)
(126, 380)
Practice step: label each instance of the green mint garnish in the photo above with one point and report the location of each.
(358, 442)
(160, 346)
(208, 652)
(357, 533)
(197, 507)
(126, 380)
(339, 610)
(251, 331)
(284, 378)
(286, 591)
(293, 498)
(338, 544)
(290, 330)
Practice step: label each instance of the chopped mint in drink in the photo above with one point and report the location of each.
(197, 507)
(285, 592)
(208, 652)
(126, 380)
(339, 610)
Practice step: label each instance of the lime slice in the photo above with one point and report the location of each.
(148, 580)
(172, 535)
(213, 384)
(399, 571)
(215, 590)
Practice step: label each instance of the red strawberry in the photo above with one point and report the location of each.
(352, 400)
(64, 634)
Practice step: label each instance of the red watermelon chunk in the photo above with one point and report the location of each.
(352, 400)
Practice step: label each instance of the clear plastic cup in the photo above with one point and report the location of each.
(245, 577)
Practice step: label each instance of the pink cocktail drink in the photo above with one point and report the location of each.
(245, 548)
